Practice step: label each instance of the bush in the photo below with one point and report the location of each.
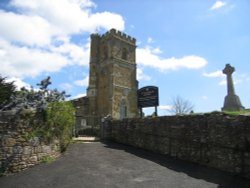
(60, 121)
(7, 89)
(54, 118)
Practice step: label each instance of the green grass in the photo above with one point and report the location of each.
(47, 159)
(236, 113)
(231, 113)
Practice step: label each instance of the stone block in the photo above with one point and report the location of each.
(17, 150)
(37, 149)
(33, 159)
(40, 156)
(9, 142)
(46, 149)
(7, 150)
(225, 159)
(27, 150)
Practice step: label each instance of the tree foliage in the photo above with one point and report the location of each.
(54, 118)
(7, 89)
(60, 119)
(36, 99)
(181, 106)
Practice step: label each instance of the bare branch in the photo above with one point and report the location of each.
(181, 106)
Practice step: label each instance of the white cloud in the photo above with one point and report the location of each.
(83, 82)
(26, 62)
(218, 5)
(165, 107)
(18, 83)
(156, 51)
(29, 36)
(235, 82)
(147, 57)
(32, 30)
(218, 74)
(70, 16)
(77, 54)
(77, 96)
(214, 74)
(141, 75)
(106, 20)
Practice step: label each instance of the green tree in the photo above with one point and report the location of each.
(7, 89)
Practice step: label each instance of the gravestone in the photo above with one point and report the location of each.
(232, 101)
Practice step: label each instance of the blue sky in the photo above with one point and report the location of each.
(182, 45)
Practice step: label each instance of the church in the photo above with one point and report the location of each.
(112, 89)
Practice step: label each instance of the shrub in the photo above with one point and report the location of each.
(60, 121)
(7, 89)
(54, 118)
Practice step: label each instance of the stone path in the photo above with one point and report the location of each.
(86, 139)
(110, 165)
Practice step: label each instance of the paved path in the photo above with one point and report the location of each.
(111, 165)
(86, 139)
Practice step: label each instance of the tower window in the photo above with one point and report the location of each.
(124, 54)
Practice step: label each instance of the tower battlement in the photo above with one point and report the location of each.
(95, 35)
(120, 35)
(115, 33)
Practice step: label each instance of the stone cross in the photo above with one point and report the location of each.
(232, 101)
(228, 71)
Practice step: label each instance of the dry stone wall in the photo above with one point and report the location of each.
(215, 140)
(18, 150)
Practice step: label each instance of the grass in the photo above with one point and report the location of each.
(47, 159)
(236, 113)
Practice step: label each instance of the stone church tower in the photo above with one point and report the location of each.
(112, 77)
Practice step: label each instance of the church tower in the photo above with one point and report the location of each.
(112, 77)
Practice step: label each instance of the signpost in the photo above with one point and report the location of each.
(148, 97)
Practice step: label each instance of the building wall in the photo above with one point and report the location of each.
(82, 108)
(214, 140)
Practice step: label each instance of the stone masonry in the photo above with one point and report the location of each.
(112, 88)
(215, 140)
(17, 152)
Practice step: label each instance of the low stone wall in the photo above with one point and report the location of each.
(17, 150)
(215, 140)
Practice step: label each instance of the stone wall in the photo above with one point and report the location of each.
(215, 140)
(18, 148)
